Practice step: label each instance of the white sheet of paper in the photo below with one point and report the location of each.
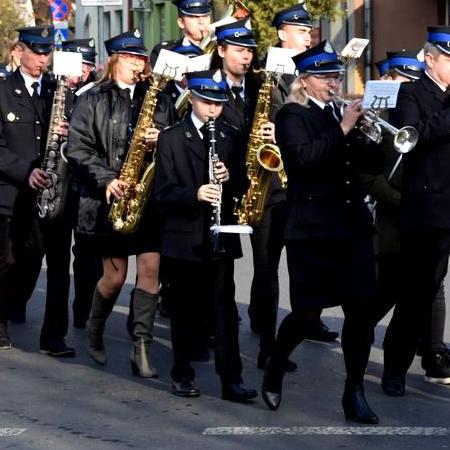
(279, 60)
(237, 229)
(171, 64)
(67, 63)
(198, 63)
(355, 48)
(381, 94)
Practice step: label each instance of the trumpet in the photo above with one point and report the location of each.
(405, 139)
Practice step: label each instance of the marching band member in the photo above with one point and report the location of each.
(194, 18)
(87, 266)
(329, 228)
(26, 103)
(197, 274)
(101, 127)
(425, 220)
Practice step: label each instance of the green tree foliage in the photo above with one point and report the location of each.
(9, 21)
(263, 12)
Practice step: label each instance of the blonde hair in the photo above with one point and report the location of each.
(108, 73)
(297, 93)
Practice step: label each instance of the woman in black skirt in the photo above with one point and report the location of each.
(101, 128)
(328, 233)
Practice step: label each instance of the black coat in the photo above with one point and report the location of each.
(23, 136)
(426, 169)
(101, 127)
(324, 194)
(181, 168)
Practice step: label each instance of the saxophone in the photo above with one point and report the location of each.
(262, 160)
(126, 212)
(51, 200)
(236, 9)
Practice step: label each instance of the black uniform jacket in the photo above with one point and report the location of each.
(100, 130)
(426, 169)
(324, 193)
(182, 164)
(243, 120)
(23, 135)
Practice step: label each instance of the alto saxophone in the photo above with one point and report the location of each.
(126, 212)
(51, 200)
(262, 160)
(237, 9)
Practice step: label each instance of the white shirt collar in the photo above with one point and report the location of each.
(30, 80)
(123, 85)
(197, 123)
(231, 84)
(320, 104)
(441, 86)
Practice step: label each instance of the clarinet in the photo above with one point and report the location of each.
(213, 160)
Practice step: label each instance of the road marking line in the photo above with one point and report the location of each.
(4, 432)
(328, 431)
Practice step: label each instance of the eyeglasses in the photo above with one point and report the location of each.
(324, 78)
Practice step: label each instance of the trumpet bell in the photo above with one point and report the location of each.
(406, 139)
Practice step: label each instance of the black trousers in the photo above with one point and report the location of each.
(6, 264)
(267, 243)
(87, 270)
(31, 241)
(426, 253)
(194, 285)
(391, 288)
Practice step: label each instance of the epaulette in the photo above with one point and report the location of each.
(85, 88)
(230, 125)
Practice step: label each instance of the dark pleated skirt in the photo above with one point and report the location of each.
(330, 272)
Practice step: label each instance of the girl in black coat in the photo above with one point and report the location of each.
(329, 229)
(101, 127)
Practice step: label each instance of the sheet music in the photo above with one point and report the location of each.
(279, 60)
(67, 63)
(381, 94)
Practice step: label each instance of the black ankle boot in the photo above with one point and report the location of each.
(355, 405)
(272, 384)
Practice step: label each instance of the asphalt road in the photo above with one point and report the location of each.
(54, 404)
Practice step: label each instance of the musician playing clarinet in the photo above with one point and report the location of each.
(199, 273)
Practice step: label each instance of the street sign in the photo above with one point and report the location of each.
(60, 10)
(61, 35)
(101, 2)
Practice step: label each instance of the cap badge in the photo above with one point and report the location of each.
(217, 77)
(92, 43)
(44, 33)
(328, 48)
(137, 33)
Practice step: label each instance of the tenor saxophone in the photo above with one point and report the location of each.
(126, 212)
(51, 200)
(262, 160)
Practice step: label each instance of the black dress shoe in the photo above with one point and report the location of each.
(57, 347)
(185, 388)
(322, 333)
(272, 385)
(356, 407)
(5, 341)
(393, 385)
(237, 392)
(289, 366)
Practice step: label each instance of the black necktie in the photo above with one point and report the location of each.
(35, 96)
(240, 104)
(330, 112)
(204, 130)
